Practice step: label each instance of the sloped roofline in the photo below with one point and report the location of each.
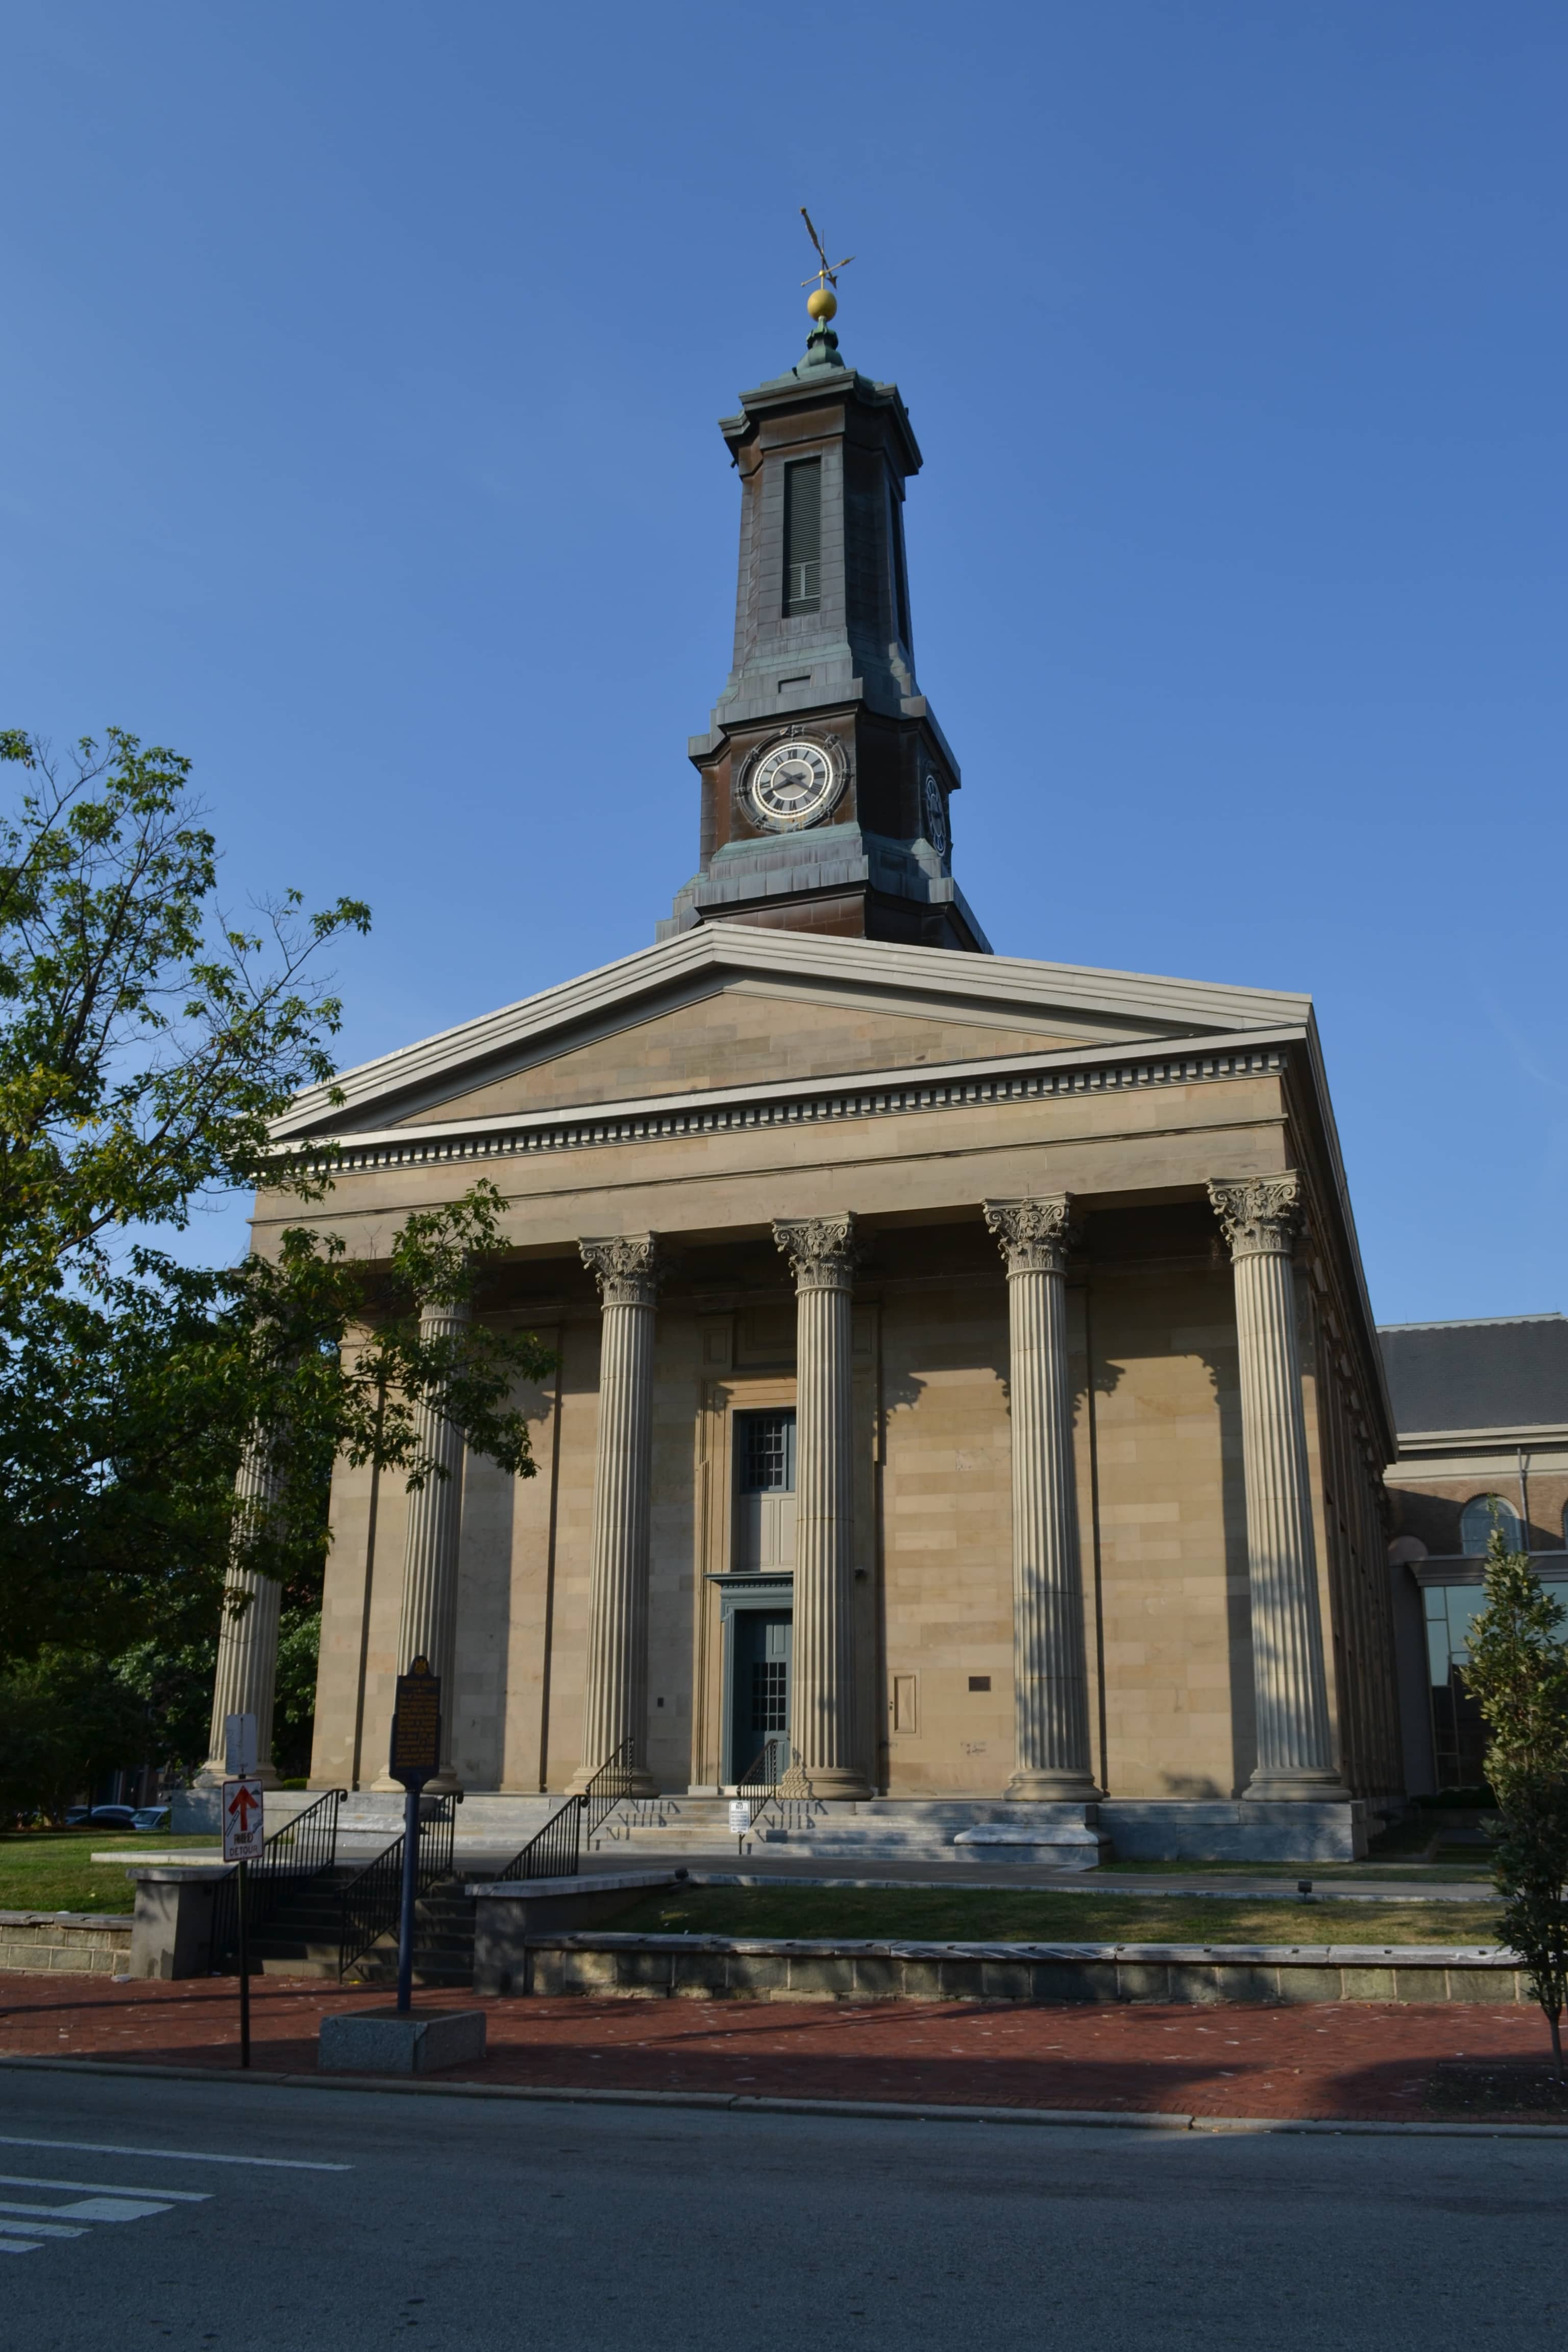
(1182, 1007)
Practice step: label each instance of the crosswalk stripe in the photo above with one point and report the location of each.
(38, 2229)
(175, 2155)
(106, 2189)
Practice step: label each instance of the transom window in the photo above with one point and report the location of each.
(767, 1458)
(1481, 1514)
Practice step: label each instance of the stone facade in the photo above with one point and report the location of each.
(1019, 1304)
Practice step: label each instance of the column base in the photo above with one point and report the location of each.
(445, 1784)
(1295, 1787)
(1052, 1789)
(212, 1775)
(834, 1784)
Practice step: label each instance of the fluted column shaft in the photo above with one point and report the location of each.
(246, 1681)
(1050, 1679)
(427, 1627)
(616, 1702)
(821, 1250)
(1295, 1742)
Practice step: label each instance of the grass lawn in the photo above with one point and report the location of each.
(1042, 1916)
(44, 1870)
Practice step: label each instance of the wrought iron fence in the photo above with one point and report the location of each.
(370, 1903)
(777, 1777)
(301, 1849)
(557, 1849)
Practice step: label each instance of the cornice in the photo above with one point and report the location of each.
(958, 1086)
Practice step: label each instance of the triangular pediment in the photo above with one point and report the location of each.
(729, 1007)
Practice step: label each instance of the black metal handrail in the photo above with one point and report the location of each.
(556, 1850)
(300, 1849)
(370, 1903)
(768, 1781)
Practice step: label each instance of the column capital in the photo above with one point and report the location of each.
(626, 1266)
(1259, 1215)
(821, 1250)
(1034, 1236)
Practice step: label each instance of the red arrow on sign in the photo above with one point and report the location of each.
(244, 1804)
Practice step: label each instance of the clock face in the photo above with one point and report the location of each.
(935, 817)
(793, 784)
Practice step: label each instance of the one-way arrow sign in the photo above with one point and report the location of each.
(242, 1819)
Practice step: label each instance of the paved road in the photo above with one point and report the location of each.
(460, 2226)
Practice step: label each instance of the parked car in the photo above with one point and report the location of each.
(151, 1817)
(101, 1817)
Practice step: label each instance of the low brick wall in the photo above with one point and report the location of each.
(89, 1943)
(759, 1968)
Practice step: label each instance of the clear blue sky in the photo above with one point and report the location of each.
(358, 424)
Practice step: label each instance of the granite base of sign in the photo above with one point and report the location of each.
(383, 2041)
(1052, 1845)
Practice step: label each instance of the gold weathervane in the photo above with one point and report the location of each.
(824, 302)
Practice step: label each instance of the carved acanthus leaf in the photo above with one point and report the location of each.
(1260, 1214)
(821, 1250)
(1034, 1236)
(626, 1266)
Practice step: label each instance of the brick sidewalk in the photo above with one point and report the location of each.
(1365, 2062)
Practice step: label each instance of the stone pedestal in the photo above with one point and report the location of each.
(821, 1252)
(615, 1707)
(1051, 1679)
(245, 1680)
(1260, 1215)
(429, 1625)
(380, 2042)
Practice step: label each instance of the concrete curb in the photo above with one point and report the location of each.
(739, 2103)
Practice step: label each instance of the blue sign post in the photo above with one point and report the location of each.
(416, 1758)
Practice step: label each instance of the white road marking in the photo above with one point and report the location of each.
(106, 2189)
(38, 2230)
(87, 2209)
(175, 2155)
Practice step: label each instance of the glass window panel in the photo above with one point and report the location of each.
(1476, 1521)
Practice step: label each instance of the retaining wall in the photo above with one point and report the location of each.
(87, 1943)
(752, 1967)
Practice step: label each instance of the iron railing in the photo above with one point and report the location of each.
(776, 1776)
(299, 1849)
(557, 1849)
(371, 1902)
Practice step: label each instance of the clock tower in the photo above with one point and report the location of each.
(826, 783)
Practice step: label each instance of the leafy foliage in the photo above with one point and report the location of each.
(146, 1042)
(144, 1048)
(1517, 1669)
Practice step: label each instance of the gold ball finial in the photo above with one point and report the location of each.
(823, 303)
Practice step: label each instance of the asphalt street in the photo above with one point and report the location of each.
(235, 2219)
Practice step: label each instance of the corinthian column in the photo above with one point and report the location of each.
(1050, 1680)
(615, 1705)
(1295, 1749)
(821, 1251)
(246, 1677)
(429, 1625)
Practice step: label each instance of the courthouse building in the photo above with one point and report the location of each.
(965, 1371)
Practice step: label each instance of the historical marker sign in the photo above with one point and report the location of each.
(243, 1826)
(416, 1727)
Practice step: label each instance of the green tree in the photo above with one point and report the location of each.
(1517, 1669)
(146, 1044)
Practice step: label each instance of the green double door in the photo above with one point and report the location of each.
(759, 1695)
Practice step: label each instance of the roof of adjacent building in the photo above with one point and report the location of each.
(1505, 1372)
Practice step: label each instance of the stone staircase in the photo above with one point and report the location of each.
(875, 1829)
(300, 1939)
